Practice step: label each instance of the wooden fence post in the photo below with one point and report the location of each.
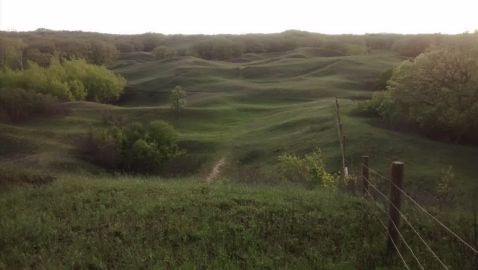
(343, 155)
(396, 177)
(341, 140)
(337, 110)
(365, 175)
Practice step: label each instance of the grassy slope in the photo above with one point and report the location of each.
(133, 223)
(278, 77)
(252, 118)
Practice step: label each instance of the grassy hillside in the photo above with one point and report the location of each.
(249, 112)
(269, 76)
(102, 223)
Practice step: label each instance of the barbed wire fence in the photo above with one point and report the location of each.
(394, 214)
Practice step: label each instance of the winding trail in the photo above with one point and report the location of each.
(216, 170)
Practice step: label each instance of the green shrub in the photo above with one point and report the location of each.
(133, 148)
(143, 156)
(309, 170)
(374, 106)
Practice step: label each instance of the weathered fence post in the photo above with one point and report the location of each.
(396, 179)
(337, 110)
(343, 148)
(341, 140)
(365, 175)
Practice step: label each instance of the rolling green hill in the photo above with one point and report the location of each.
(247, 110)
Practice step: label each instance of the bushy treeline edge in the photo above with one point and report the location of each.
(102, 49)
(37, 89)
(19, 104)
(67, 80)
(436, 93)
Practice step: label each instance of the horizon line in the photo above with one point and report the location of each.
(12, 29)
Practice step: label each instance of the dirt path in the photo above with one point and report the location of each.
(215, 171)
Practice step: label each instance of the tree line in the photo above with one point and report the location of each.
(17, 48)
(67, 80)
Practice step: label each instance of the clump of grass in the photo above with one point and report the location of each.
(10, 177)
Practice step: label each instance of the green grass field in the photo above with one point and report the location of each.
(249, 110)
(131, 223)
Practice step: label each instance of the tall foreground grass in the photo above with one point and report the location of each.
(129, 223)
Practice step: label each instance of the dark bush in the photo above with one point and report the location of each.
(100, 147)
(109, 118)
(19, 104)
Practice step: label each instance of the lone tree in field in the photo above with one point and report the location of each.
(177, 99)
(163, 52)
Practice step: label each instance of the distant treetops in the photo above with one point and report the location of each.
(102, 49)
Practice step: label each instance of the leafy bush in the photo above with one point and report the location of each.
(373, 106)
(309, 170)
(133, 148)
(67, 80)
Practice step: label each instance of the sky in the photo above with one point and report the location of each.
(240, 17)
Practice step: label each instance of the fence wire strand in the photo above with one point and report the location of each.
(434, 218)
(399, 233)
(375, 172)
(423, 209)
(393, 242)
(408, 222)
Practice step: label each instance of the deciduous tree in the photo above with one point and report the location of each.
(162, 52)
(439, 89)
(177, 100)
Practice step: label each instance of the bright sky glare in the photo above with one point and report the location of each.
(239, 17)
